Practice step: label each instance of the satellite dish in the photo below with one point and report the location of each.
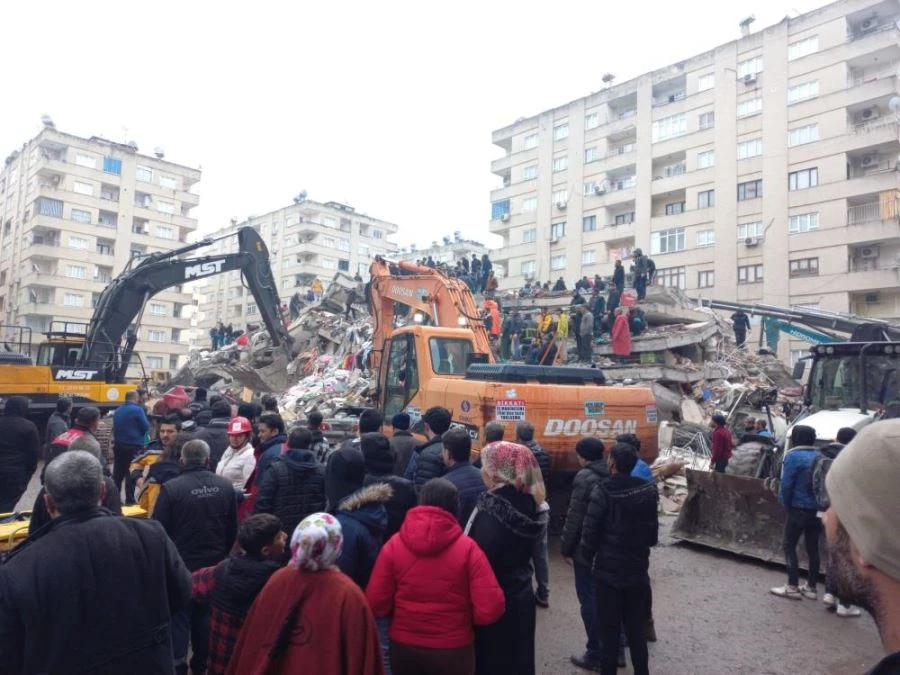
(47, 121)
(133, 145)
(158, 151)
(894, 104)
(607, 78)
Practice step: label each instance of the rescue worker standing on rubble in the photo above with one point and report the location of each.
(740, 322)
(618, 277)
(722, 444)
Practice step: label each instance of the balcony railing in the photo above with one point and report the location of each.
(862, 76)
(864, 213)
(872, 125)
(885, 24)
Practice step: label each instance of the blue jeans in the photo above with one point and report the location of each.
(384, 625)
(586, 590)
(539, 558)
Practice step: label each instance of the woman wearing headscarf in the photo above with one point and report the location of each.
(505, 525)
(310, 617)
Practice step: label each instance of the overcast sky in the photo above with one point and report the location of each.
(387, 106)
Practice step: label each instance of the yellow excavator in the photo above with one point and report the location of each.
(88, 362)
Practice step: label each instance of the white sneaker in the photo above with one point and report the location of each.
(848, 611)
(808, 592)
(791, 592)
(829, 600)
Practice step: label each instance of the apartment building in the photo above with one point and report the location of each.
(74, 212)
(449, 251)
(306, 240)
(765, 170)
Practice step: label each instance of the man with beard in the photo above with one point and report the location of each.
(861, 527)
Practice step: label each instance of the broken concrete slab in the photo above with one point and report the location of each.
(670, 337)
(661, 373)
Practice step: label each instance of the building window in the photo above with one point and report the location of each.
(803, 92)
(329, 242)
(561, 131)
(669, 127)
(671, 277)
(49, 207)
(287, 283)
(83, 188)
(286, 263)
(80, 216)
(344, 245)
(527, 267)
(143, 174)
(165, 207)
(364, 250)
(591, 121)
(560, 163)
(801, 180)
(803, 222)
(529, 236)
(706, 159)
(803, 135)
(155, 362)
(560, 197)
(624, 218)
(667, 241)
(529, 204)
(498, 210)
(156, 335)
(589, 224)
(377, 234)
(706, 199)
(707, 120)
(80, 243)
(168, 182)
(588, 257)
(591, 155)
(531, 141)
(706, 238)
(749, 149)
(343, 265)
(529, 172)
(329, 263)
(750, 107)
(705, 82)
(752, 230)
(750, 274)
(750, 67)
(674, 208)
(706, 279)
(112, 165)
(558, 262)
(803, 48)
(158, 309)
(591, 187)
(804, 267)
(165, 232)
(73, 300)
(752, 189)
(104, 249)
(252, 308)
(76, 271)
(558, 230)
(86, 161)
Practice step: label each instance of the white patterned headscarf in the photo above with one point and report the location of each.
(316, 543)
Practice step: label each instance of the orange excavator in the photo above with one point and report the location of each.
(442, 356)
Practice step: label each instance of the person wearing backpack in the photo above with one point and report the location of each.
(821, 464)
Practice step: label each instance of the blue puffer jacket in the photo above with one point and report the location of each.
(796, 479)
(363, 520)
(130, 424)
(268, 452)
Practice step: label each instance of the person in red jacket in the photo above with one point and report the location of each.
(436, 583)
(621, 334)
(722, 443)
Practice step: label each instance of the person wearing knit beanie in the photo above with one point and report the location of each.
(861, 528)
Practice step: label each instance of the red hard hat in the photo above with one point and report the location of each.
(239, 425)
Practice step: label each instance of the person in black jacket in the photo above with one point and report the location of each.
(425, 462)
(272, 439)
(618, 277)
(594, 470)
(294, 486)
(199, 513)
(380, 458)
(111, 501)
(402, 442)
(61, 612)
(20, 447)
(525, 436)
(59, 421)
(505, 526)
(215, 434)
(467, 479)
(620, 527)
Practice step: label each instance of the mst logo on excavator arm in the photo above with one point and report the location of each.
(203, 269)
(76, 375)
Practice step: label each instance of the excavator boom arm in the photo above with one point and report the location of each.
(123, 300)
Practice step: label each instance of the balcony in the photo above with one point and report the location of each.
(872, 73)
(864, 213)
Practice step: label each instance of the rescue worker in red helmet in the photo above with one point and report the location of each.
(238, 462)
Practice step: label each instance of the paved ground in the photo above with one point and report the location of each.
(714, 614)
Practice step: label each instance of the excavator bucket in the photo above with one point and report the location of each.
(733, 513)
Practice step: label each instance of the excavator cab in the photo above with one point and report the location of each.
(64, 345)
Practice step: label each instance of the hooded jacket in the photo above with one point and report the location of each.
(469, 486)
(543, 459)
(294, 487)
(620, 527)
(585, 481)
(320, 446)
(379, 469)
(621, 336)
(269, 452)
(62, 612)
(797, 480)
(434, 582)
(363, 520)
(20, 443)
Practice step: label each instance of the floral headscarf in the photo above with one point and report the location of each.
(316, 543)
(512, 464)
